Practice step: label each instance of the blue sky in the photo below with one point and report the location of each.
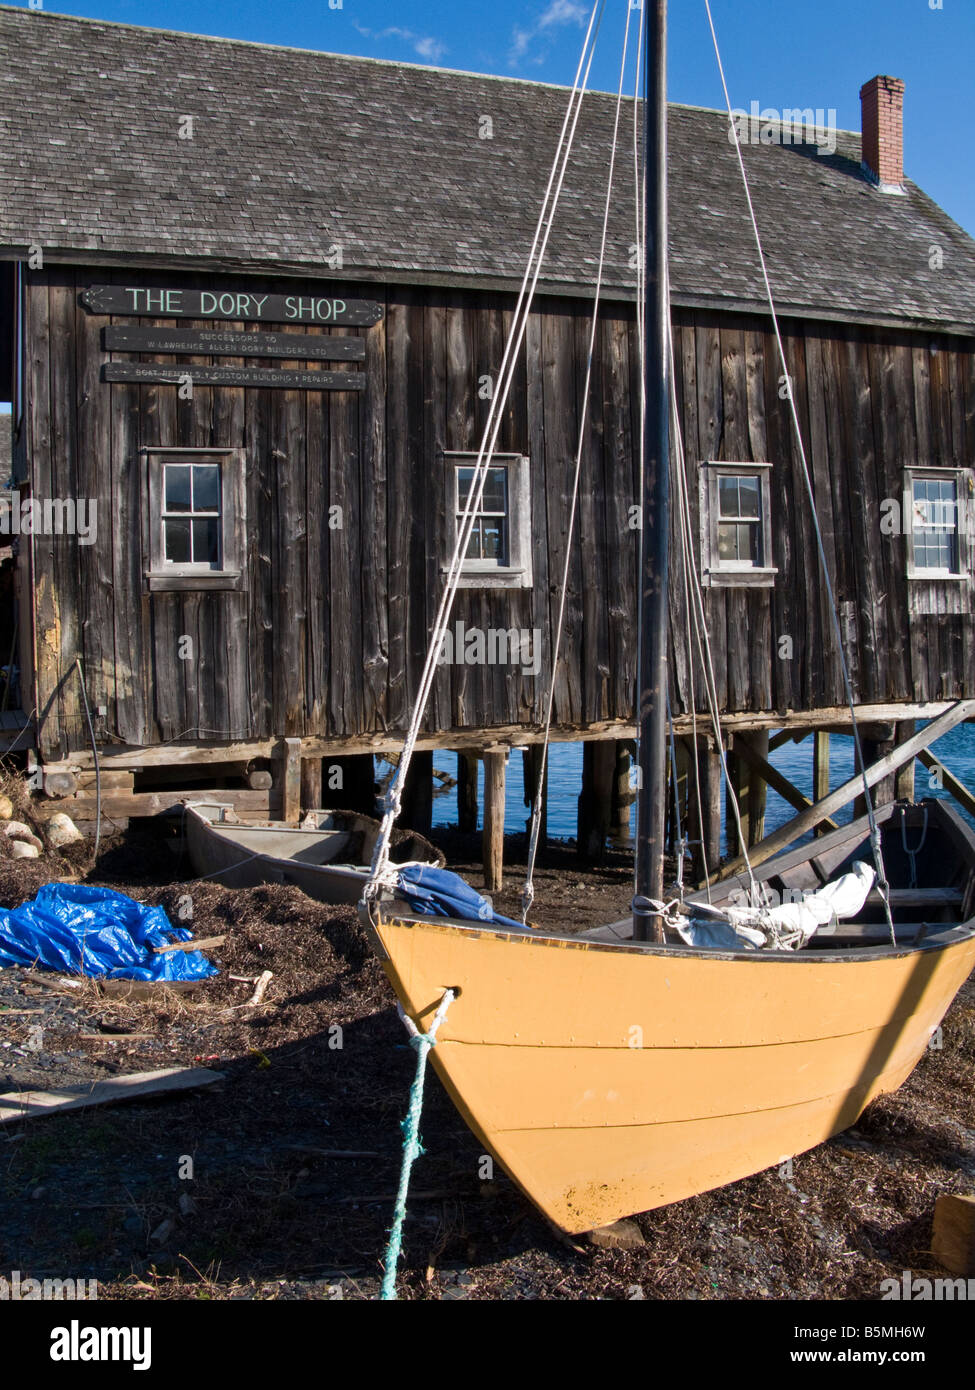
(783, 55)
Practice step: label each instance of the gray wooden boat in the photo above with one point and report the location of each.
(327, 856)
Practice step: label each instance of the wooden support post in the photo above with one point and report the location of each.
(877, 740)
(291, 781)
(678, 794)
(311, 784)
(758, 741)
(596, 799)
(904, 778)
(709, 811)
(820, 771)
(776, 780)
(736, 791)
(623, 793)
(467, 793)
(494, 770)
(779, 839)
(417, 800)
(531, 767)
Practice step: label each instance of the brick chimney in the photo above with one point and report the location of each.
(882, 120)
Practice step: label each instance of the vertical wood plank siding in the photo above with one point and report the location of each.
(348, 521)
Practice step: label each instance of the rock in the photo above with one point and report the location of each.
(61, 831)
(21, 850)
(17, 830)
(6, 808)
(621, 1235)
(162, 1232)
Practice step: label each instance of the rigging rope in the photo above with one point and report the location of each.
(528, 890)
(882, 885)
(412, 1148)
(392, 800)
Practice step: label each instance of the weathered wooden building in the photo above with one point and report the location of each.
(253, 304)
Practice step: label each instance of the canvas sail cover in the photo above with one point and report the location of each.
(787, 927)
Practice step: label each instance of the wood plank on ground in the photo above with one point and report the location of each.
(19, 1105)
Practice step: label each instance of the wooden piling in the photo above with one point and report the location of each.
(311, 784)
(624, 794)
(820, 771)
(417, 797)
(494, 779)
(904, 777)
(467, 793)
(290, 779)
(876, 740)
(531, 767)
(705, 817)
(596, 799)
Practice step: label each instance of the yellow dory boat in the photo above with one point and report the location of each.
(608, 1077)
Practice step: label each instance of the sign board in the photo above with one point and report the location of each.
(151, 374)
(230, 304)
(225, 342)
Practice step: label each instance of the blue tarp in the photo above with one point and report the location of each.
(440, 893)
(95, 932)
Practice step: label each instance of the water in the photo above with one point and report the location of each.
(794, 760)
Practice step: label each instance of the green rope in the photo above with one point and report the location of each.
(412, 1148)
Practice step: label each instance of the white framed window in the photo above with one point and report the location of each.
(193, 518)
(937, 510)
(736, 524)
(499, 551)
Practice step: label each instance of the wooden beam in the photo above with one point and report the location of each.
(291, 781)
(779, 839)
(21, 1105)
(949, 781)
(704, 819)
(122, 805)
(758, 742)
(494, 770)
(786, 736)
(506, 735)
(776, 780)
(623, 793)
(531, 767)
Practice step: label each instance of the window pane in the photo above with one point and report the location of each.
(206, 487)
(748, 497)
(474, 544)
(935, 524)
(177, 537)
(493, 498)
(464, 478)
(738, 542)
(206, 540)
(177, 488)
(493, 536)
(727, 495)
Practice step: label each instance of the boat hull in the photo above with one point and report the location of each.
(641, 1075)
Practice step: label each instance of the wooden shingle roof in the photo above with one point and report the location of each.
(293, 152)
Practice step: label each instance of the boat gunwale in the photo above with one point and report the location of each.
(956, 934)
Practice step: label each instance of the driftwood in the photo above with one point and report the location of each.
(19, 1105)
(205, 943)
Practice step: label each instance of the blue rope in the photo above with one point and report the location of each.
(412, 1147)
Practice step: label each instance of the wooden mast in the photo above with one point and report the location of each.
(654, 559)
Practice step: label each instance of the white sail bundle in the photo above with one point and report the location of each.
(787, 927)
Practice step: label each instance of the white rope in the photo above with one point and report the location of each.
(882, 884)
(528, 891)
(492, 428)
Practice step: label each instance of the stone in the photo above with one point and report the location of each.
(162, 1232)
(6, 808)
(19, 849)
(17, 830)
(61, 831)
(621, 1235)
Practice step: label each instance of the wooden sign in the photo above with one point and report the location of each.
(229, 304)
(151, 374)
(225, 342)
